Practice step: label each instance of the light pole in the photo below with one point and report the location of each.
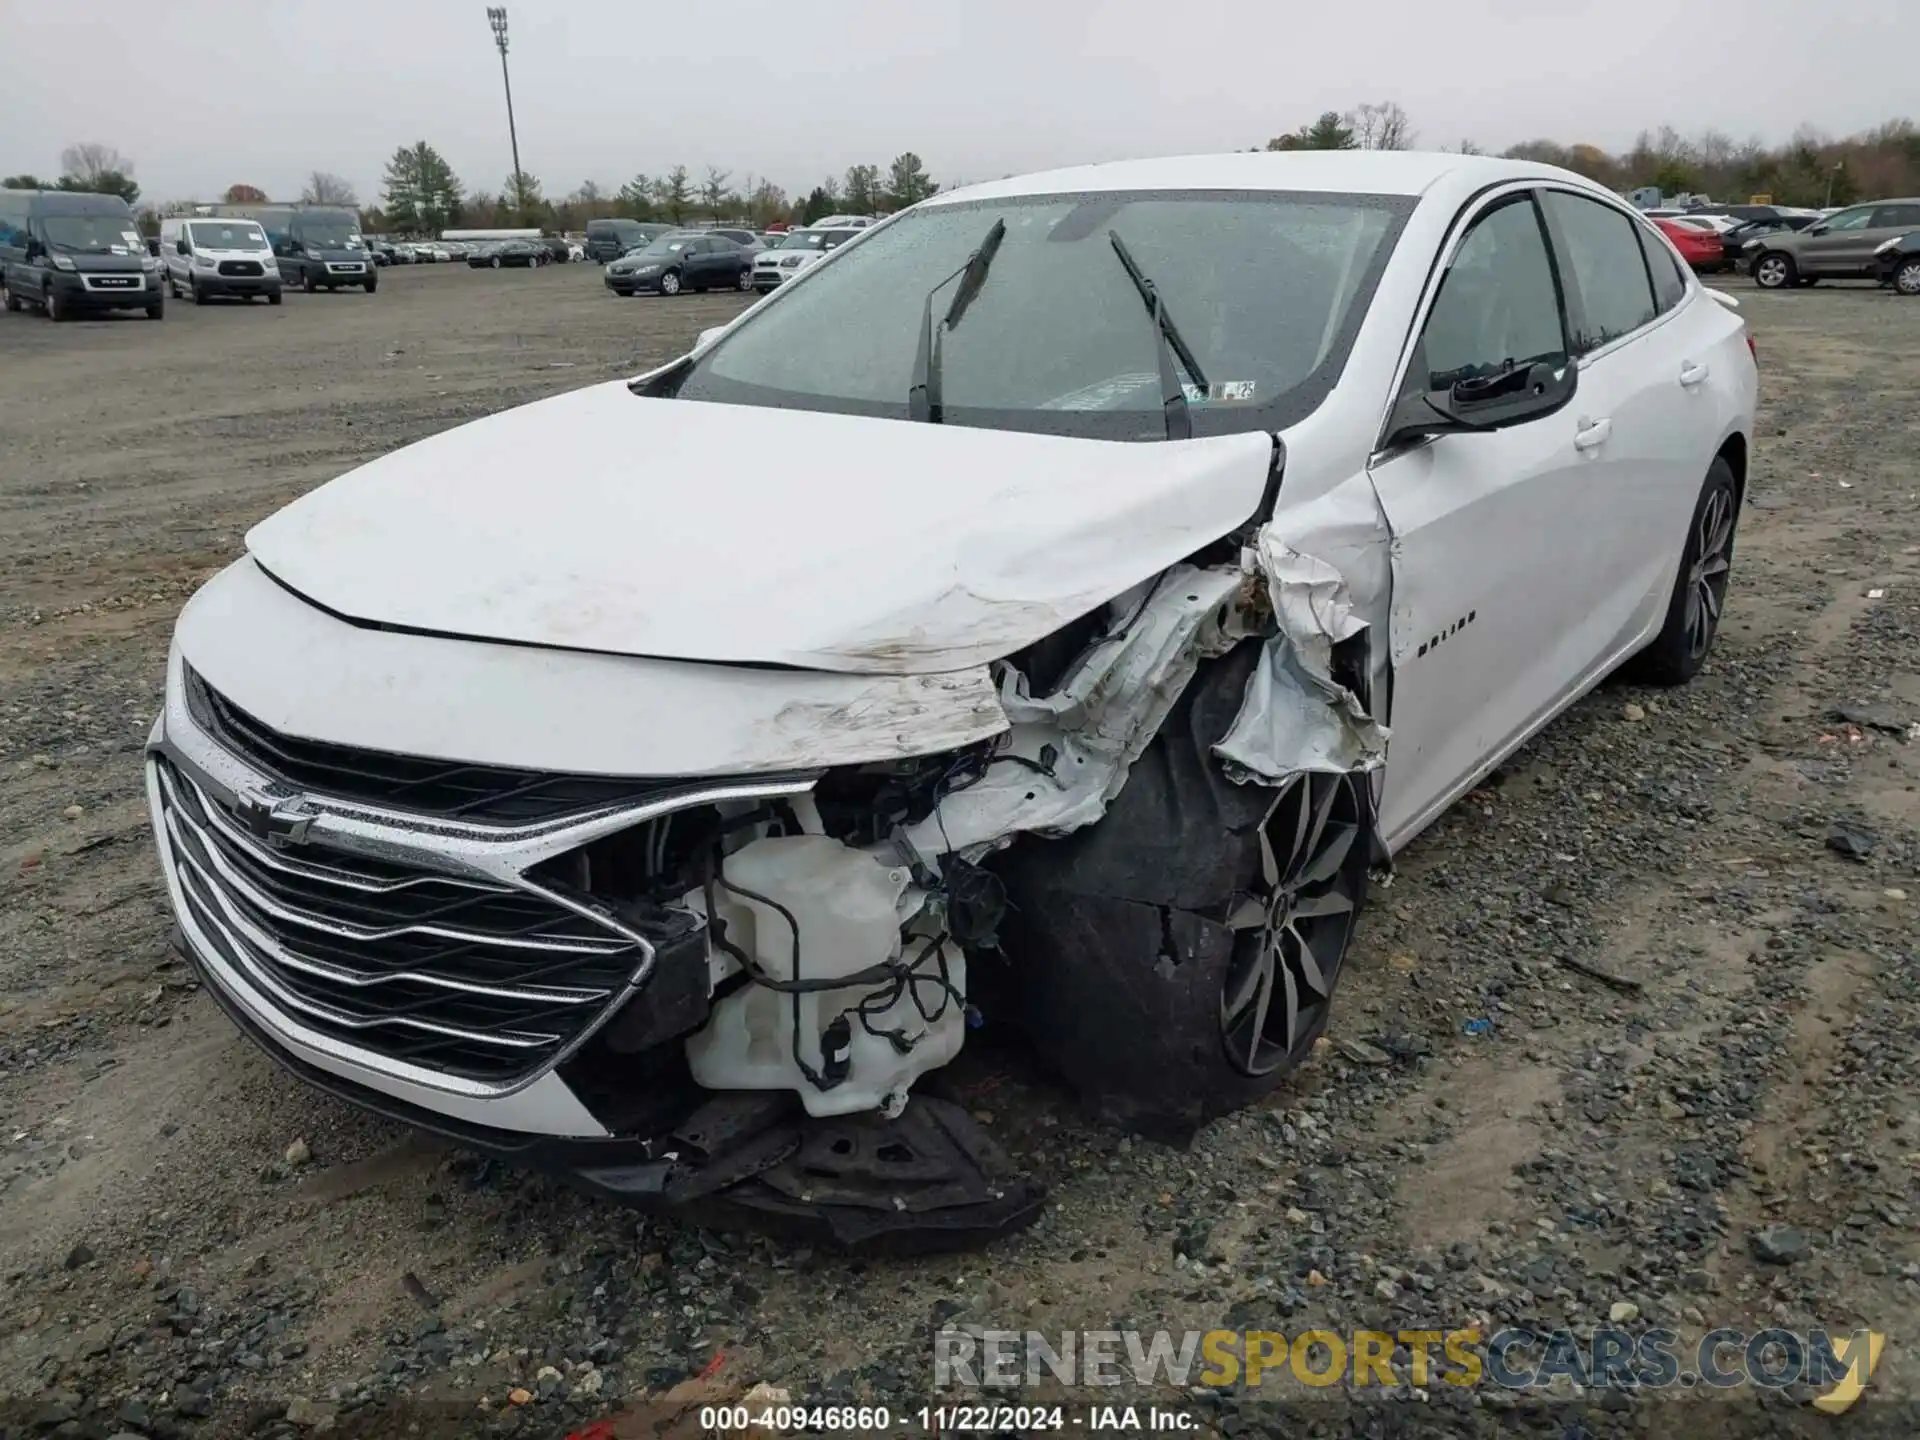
(497, 18)
(1837, 166)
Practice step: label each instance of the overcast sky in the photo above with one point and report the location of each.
(205, 93)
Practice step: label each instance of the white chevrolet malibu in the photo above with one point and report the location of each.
(1045, 612)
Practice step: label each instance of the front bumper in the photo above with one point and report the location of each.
(93, 291)
(927, 1180)
(631, 284)
(214, 284)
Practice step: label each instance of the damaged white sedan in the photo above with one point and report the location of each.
(1046, 611)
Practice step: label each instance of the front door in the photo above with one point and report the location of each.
(1839, 246)
(1483, 617)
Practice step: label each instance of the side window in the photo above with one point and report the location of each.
(1851, 219)
(1609, 271)
(1669, 286)
(13, 218)
(1897, 217)
(1499, 305)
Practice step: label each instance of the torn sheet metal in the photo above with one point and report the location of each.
(1097, 723)
(1296, 715)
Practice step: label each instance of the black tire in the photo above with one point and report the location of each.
(11, 300)
(306, 282)
(1699, 589)
(496, 262)
(1775, 270)
(50, 302)
(157, 310)
(744, 281)
(199, 296)
(1906, 277)
(273, 297)
(1123, 928)
(372, 285)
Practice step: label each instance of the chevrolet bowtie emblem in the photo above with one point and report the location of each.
(278, 820)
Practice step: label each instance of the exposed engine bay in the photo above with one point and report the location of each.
(814, 952)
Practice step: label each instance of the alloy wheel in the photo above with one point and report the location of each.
(1773, 271)
(745, 280)
(670, 284)
(1293, 935)
(1907, 278)
(1710, 569)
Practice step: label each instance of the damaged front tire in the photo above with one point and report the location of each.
(1175, 960)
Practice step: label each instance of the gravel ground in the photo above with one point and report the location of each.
(1627, 1036)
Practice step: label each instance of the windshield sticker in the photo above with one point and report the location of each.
(131, 237)
(1219, 390)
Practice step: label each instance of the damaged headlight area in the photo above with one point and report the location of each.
(1110, 874)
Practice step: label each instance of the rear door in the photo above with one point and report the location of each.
(1889, 222)
(1645, 359)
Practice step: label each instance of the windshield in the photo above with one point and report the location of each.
(1267, 288)
(805, 240)
(93, 234)
(328, 235)
(227, 237)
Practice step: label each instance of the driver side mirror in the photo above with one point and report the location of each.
(1819, 229)
(180, 247)
(35, 249)
(1489, 402)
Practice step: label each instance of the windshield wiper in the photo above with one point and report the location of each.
(923, 393)
(1167, 344)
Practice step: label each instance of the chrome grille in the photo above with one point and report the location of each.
(481, 794)
(470, 977)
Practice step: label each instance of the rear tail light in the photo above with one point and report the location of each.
(1752, 349)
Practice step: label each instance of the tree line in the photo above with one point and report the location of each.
(421, 194)
(1810, 168)
(89, 167)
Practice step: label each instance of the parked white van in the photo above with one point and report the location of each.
(210, 257)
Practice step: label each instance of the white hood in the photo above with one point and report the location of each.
(598, 520)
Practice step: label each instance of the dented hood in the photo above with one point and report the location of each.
(599, 520)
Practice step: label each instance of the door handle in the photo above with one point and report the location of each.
(1692, 374)
(1592, 435)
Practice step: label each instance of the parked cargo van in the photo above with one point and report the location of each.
(317, 247)
(207, 258)
(69, 253)
(610, 239)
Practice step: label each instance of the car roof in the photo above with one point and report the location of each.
(1370, 172)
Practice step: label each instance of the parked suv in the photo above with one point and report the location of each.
(1840, 247)
(210, 258)
(68, 252)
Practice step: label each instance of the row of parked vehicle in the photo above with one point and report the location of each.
(674, 261)
(551, 249)
(1781, 247)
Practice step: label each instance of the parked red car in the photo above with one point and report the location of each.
(1698, 246)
